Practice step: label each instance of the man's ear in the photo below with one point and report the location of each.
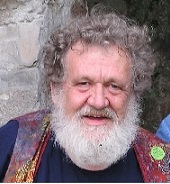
(53, 88)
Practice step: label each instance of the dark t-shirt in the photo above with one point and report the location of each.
(56, 167)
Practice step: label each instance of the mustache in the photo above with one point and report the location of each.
(91, 111)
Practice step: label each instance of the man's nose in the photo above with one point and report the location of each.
(97, 98)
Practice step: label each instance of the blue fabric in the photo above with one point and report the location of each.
(163, 131)
(56, 167)
(8, 135)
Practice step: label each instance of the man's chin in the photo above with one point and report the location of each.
(95, 164)
(93, 133)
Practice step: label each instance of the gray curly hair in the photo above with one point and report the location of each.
(103, 29)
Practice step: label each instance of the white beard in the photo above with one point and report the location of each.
(95, 147)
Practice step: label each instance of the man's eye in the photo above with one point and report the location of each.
(114, 89)
(83, 83)
(114, 86)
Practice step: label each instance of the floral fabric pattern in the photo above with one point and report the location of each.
(155, 166)
(33, 134)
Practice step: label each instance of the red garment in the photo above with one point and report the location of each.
(154, 169)
(34, 131)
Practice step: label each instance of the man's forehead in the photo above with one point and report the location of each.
(81, 47)
(89, 53)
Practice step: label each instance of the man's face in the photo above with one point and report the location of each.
(95, 114)
(98, 78)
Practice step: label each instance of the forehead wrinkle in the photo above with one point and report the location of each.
(70, 56)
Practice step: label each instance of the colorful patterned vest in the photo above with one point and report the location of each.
(33, 134)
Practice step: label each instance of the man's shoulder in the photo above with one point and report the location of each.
(28, 123)
(150, 145)
(9, 126)
(8, 134)
(146, 137)
(36, 116)
(153, 155)
(33, 135)
(34, 123)
(33, 116)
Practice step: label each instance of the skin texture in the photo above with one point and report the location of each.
(96, 77)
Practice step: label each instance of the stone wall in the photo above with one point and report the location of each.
(25, 25)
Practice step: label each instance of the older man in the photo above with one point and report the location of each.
(97, 68)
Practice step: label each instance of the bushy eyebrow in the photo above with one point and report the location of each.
(90, 79)
(82, 78)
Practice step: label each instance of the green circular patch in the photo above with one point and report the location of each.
(157, 153)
